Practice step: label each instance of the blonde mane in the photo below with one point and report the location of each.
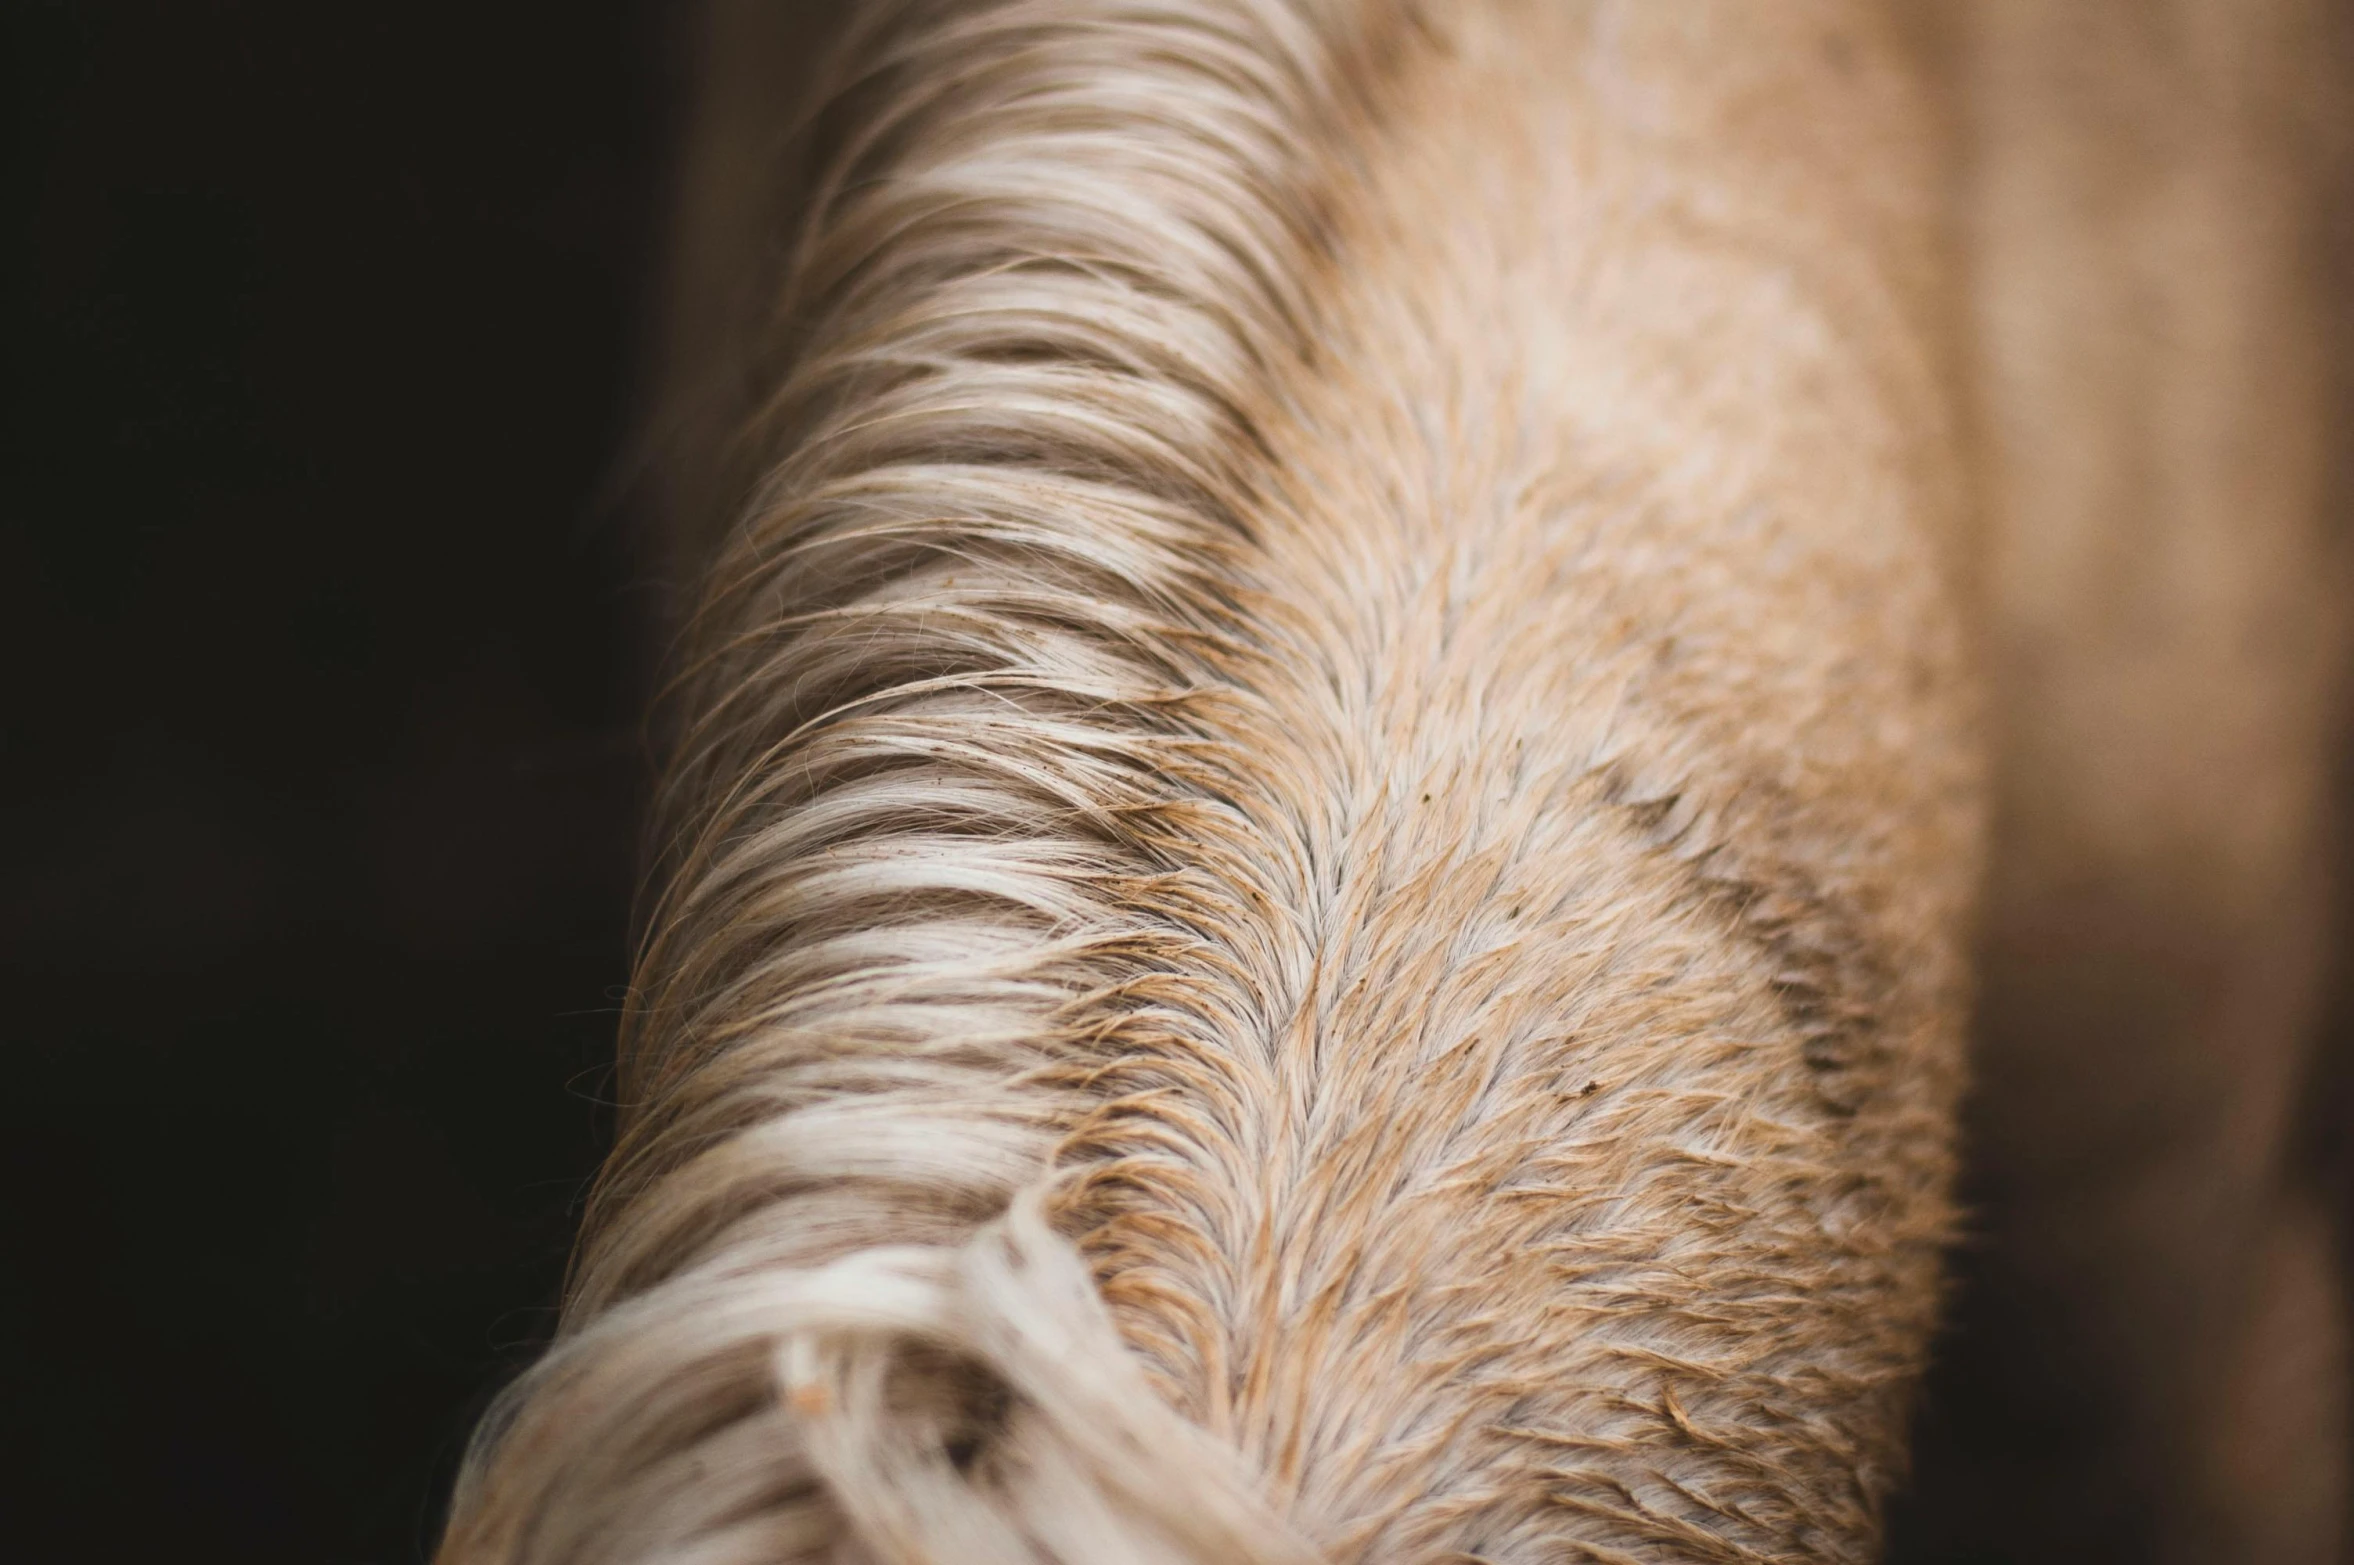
(1324, 819)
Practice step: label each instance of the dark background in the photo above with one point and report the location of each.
(327, 640)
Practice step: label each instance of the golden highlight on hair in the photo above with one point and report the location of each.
(1323, 822)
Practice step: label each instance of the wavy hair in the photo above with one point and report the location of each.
(1323, 817)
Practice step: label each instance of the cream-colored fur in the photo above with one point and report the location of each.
(1326, 812)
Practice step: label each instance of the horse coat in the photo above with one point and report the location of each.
(1332, 773)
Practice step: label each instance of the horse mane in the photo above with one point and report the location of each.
(1316, 856)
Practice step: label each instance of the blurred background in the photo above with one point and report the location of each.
(327, 651)
(330, 635)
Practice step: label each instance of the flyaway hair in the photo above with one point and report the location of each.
(1322, 820)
